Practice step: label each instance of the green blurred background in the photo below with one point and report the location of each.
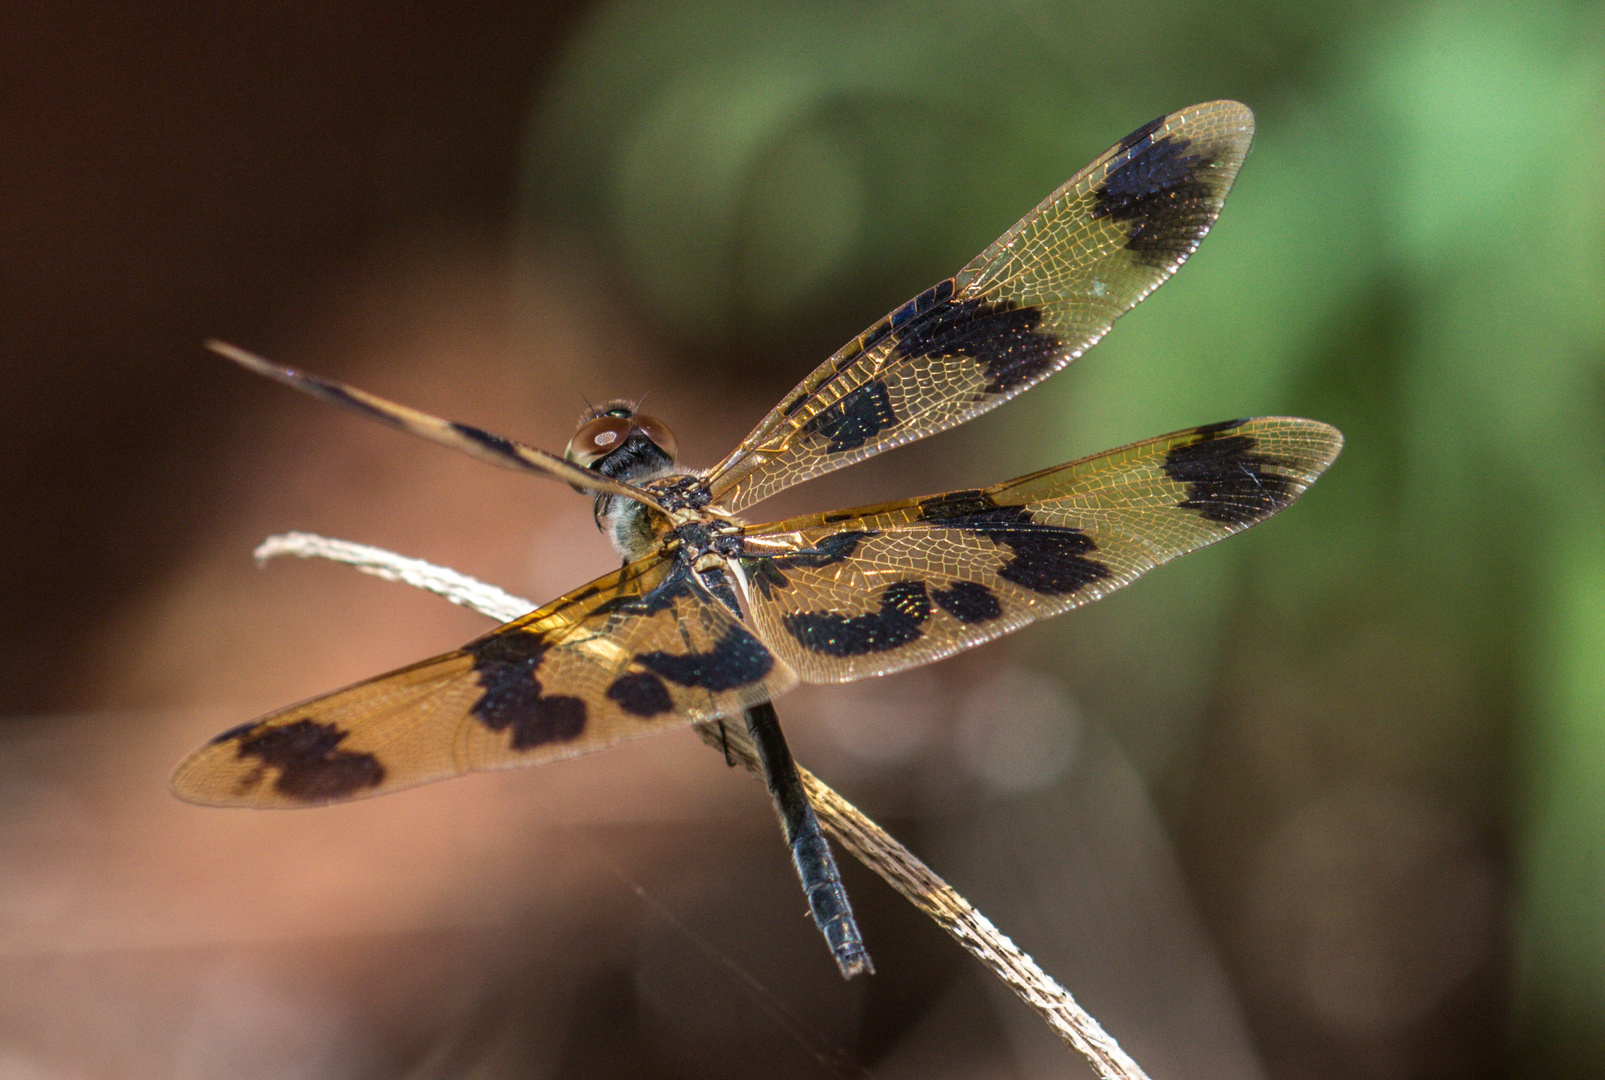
(1355, 755)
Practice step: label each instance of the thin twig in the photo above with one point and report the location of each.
(872, 845)
(458, 588)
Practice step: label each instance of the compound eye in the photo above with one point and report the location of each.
(658, 432)
(596, 439)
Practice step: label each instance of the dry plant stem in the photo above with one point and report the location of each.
(858, 834)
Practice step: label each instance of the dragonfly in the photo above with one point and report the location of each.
(710, 618)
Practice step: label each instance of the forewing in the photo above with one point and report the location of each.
(630, 654)
(875, 590)
(475, 442)
(1046, 291)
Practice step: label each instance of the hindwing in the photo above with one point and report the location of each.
(869, 591)
(635, 652)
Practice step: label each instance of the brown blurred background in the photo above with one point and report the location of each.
(1323, 801)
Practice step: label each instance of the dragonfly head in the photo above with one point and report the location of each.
(622, 444)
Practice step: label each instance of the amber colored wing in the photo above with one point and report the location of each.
(870, 591)
(475, 442)
(636, 652)
(1039, 297)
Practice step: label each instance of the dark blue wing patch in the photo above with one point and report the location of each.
(768, 572)
(506, 665)
(766, 576)
(855, 419)
(1006, 338)
(968, 602)
(736, 659)
(1141, 133)
(1048, 559)
(641, 693)
(1161, 192)
(872, 337)
(903, 608)
(674, 587)
(311, 766)
(1226, 481)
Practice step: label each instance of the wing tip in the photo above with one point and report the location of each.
(1318, 432)
(247, 359)
(189, 781)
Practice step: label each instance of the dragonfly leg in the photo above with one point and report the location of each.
(810, 851)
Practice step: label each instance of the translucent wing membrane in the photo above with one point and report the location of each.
(1036, 299)
(830, 597)
(854, 593)
(636, 652)
(483, 445)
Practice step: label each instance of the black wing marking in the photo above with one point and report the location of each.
(888, 587)
(472, 441)
(1039, 297)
